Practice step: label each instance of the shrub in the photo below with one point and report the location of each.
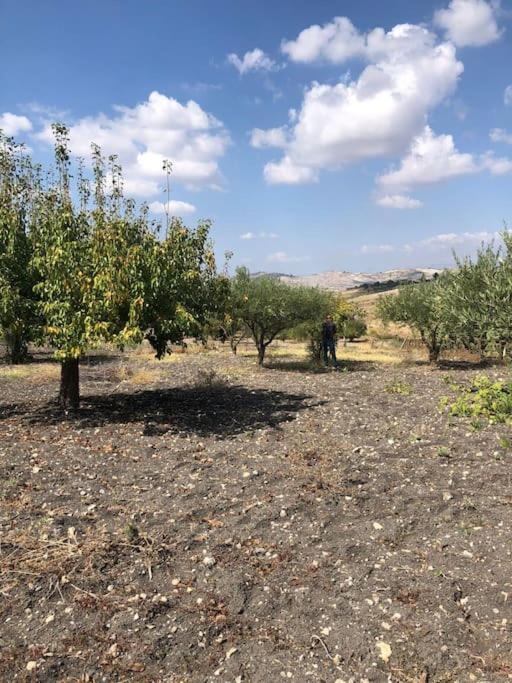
(483, 398)
(353, 328)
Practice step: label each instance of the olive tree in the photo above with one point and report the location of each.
(268, 306)
(477, 301)
(419, 306)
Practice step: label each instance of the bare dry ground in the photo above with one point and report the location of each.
(202, 520)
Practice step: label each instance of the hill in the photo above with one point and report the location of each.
(343, 280)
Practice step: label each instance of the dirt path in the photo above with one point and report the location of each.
(259, 526)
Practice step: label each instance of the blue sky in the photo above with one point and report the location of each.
(328, 135)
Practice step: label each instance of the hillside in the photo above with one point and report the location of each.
(342, 280)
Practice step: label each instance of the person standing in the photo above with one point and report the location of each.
(329, 341)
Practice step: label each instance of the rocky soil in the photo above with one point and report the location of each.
(228, 524)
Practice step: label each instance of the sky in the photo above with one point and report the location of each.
(328, 135)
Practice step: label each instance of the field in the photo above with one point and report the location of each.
(204, 520)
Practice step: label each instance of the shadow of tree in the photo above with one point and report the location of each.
(308, 366)
(217, 411)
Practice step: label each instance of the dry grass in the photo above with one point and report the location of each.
(138, 375)
(37, 373)
(366, 350)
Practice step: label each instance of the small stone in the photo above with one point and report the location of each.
(209, 562)
(384, 650)
(32, 665)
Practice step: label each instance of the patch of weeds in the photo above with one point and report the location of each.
(443, 452)
(505, 443)
(209, 379)
(131, 532)
(484, 398)
(448, 379)
(476, 424)
(399, 387)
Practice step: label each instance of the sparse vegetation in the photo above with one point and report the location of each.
(483, 398)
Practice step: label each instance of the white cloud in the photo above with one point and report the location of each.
(142, 136)
(507, 95)
(259, 235)
(283, 257)
(272, 137)
(399, 201)
(255, 60)
(374, 116)
(469, 22)
(334, 42)
(431, 159)
(174, 206)
(496, 166)
(434, 158)
(288, 173)
(452, 239)
(437, 244)
(12, 124)
(500, 135)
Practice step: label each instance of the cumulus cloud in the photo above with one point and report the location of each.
(507, 95)
(258, 236)
(399, 201)
(376, 115)
(174, 207)
(283, 257)
(434, 158)
(431, 159)
(500, 135)
(334, 42)
(496, 166)
(469, 22)
(255, 60)
(272, 137)
(143, 136)
(12, 124)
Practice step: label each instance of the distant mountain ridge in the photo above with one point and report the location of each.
(336, 281)
(341, 280)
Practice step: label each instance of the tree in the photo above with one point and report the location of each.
(419, 306)
(105, 277)
(477, 301)
(19, 184)
(184, 287)
(268, 306)
(349, 319)
(91, 266)
(352, 328)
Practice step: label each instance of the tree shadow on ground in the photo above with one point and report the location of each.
(308, 366)
(223, 411)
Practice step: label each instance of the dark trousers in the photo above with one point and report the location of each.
(329, 347)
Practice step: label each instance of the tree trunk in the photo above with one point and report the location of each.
(234, 346)
(433, 355)
(17, 350)
(69, 395)
(261, 354)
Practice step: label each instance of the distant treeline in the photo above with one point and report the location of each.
(380, 286)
